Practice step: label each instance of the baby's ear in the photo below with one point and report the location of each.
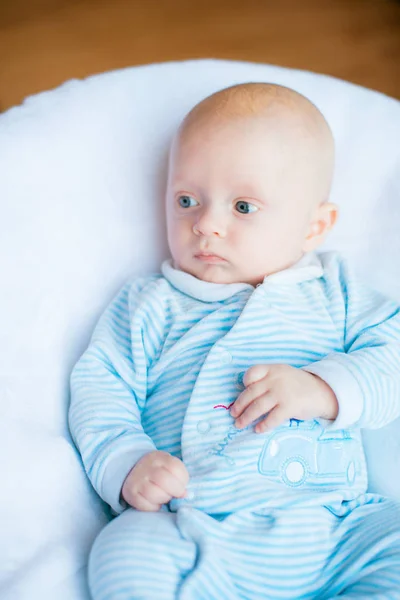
(324, 218)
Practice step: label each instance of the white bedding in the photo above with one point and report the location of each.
(81, 178)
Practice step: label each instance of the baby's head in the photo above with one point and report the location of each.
(249, 177)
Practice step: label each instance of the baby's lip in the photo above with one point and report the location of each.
(208, 257)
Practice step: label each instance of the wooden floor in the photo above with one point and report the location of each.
(45, 42)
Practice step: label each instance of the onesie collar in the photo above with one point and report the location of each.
(307, 268)
(199, 289)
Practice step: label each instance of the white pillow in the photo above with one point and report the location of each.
(82, 172)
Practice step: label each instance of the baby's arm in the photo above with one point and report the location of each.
(366, 376)
(360, 386)
(108, 388)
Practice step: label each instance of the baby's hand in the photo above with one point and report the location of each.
(284, 393)
(154, 480)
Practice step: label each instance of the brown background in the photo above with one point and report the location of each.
(45, 42)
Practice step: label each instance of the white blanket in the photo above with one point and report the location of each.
(82, 170)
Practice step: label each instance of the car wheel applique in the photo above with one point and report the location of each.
(294, 471)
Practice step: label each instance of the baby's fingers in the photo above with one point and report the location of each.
(168, 482)
(274, 419)
(177, 469)
(255, 373)
(141, 502)
(257, 408)
(249, 395)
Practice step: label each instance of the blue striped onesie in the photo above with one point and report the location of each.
(279, 515)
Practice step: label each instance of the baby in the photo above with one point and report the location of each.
(218, 407)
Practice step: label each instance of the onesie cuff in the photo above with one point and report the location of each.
(345, 387)
(115, 474)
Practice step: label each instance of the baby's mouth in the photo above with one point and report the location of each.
(209, 257)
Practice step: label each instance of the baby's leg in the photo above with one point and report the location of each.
(140, 555)
(366, 561)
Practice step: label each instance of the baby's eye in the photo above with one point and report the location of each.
(245, 207)
(187, 201)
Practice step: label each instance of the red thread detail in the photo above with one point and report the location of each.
(223, 406)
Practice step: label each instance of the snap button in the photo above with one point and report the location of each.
(203, 427)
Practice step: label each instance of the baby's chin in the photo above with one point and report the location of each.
(222, 274)
(215, 278)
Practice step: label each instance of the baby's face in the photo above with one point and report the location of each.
(240, 200)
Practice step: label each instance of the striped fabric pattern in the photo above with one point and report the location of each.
(301, 554)
(162, 368)
(266, 516)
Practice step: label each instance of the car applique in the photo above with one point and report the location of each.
(303, 452)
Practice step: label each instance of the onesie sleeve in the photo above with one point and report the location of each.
(108, 391)
(366, 375)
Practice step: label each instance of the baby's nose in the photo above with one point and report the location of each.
(211, 222)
